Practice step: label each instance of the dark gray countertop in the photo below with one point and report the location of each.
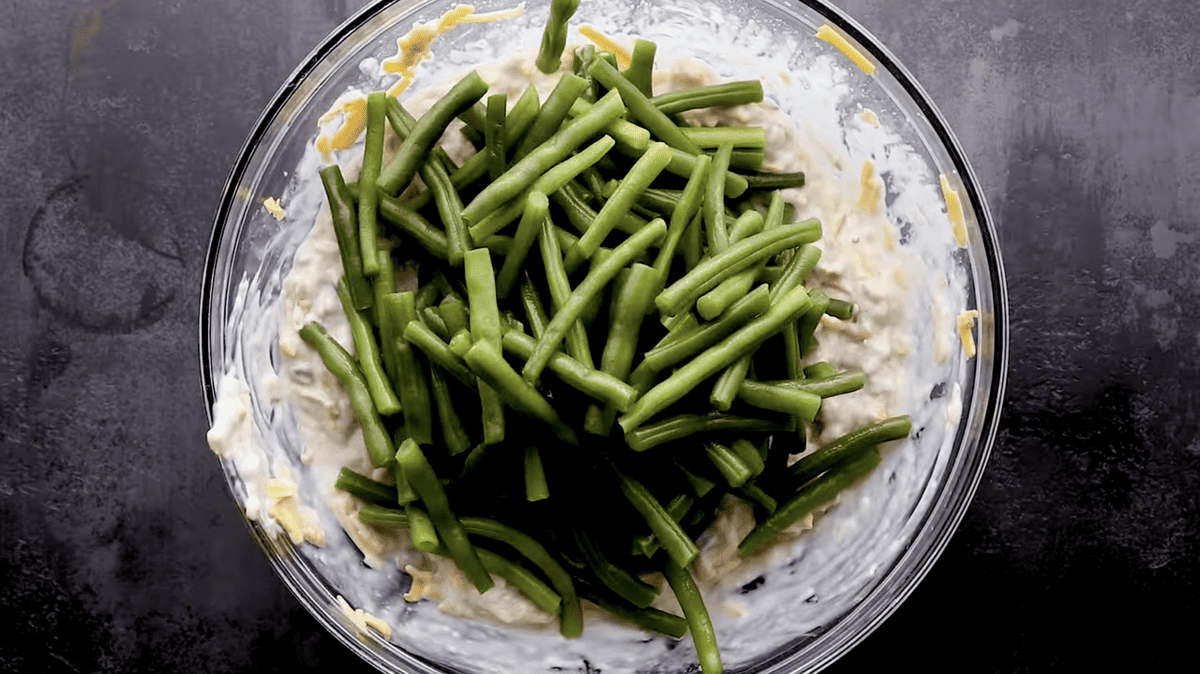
(121, 550)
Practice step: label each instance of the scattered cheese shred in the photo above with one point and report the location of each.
(273, 207)
(354, 122)
(363, 620)
(965, 322)
(828, 34)
(420, 583)
(869, 117)
(417, 45)
(954, 211)
(606, 44)
(871, 188)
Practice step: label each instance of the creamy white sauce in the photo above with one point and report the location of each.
(810, 577)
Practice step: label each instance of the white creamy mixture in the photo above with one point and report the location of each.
(804, 581)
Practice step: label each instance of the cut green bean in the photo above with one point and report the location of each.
(704, 637)
(641, 66)
(451, 532)
(761, 180)
(345, 228)
(412, 383)
(421, 529)
(641, 108)
(675, 542)
(705, 276)
(716, 357)
(536, 488)
(686, 425)
(726, 94)
(497, 110)
(816, 493)
(346, 369)
(412, 152)
(553, 151)
(712, 137)
(728, 462)
(537, 210)
(716, 232)
(368, 200)
(454, 435)
(626, 585)
(586, 292)
(835, 384)
(554, 35)
(753, 304)
(592, 382)
(485, 359)
(575, 337)
(799, 403)
(848, 446)
(552, 113)
(367, 351)
(368, 489)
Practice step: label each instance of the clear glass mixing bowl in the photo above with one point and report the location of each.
(850, 581)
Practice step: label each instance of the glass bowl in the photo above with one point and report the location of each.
(831, 586)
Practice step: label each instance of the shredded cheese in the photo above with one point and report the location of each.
(869, 117)
(354, 121)
(965, 322)
(273, 207)
(871, 188)
(363, 620)
(954, 210)
(828, 34)
(606, 44)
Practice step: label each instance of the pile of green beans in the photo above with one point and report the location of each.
(609, 336)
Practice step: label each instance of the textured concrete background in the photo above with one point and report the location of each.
(120, 549)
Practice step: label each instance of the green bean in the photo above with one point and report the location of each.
(641, 66)
(346, 369)
(531, 302)
(485, 359)
(815, 493)
(400, 171)
(678, 546)
(402, 123)
(646, 544)
(629, 137)
(412, 383)
(641, 109)
(626, 585)
(643, 172)
(369, 360)
(630, 303)
(553, 151)
(747, 159)
(416, 227)
(449, 207)
(485, 326)
(726, 94)
(521, 578)
(806, 327)
(345, 227)
(592, 382)
(649, 618)
(712, 137)
(836, 384)
(847, 447)
(663, 356)
(798, 403)
(581, 216)
(422, 478)
(761, 180)
(715, 301)
(821, 369)
(742, 255)
(453, 434)
(454, 313)
(537, 209)
(728, 462)
(716, 357)
(368, 489)
(576, 337)
(840, 309)
(431, 318)
(549, 182)
(714, 202)
(752, 493)
(682, 426)
(570, 615)
(536, 488)
(421, 529)
(554, 35)
(750, 455)
(586, 292)
(438, 351)
(497, 109)
(368, 200)
(704, 637)
(550, 117)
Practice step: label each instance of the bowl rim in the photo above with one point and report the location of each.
(916, 94)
